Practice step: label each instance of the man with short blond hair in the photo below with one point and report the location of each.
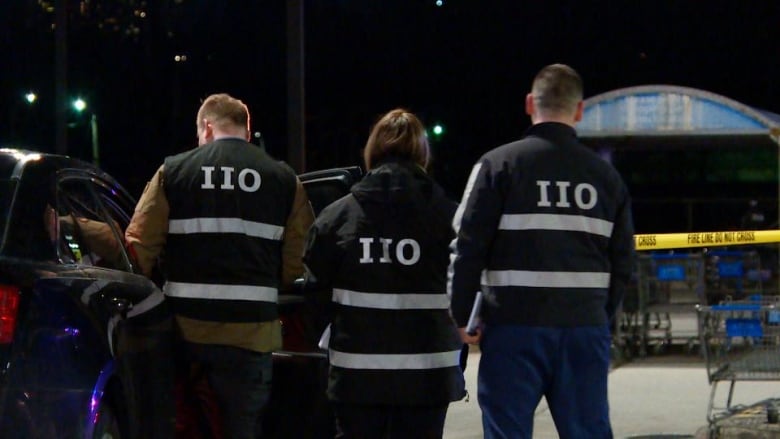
(229, 224)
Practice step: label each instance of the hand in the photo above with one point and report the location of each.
(470, 339)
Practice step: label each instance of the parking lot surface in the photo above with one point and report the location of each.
(663, 395)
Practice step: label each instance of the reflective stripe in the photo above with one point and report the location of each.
(545, 279)
(456, 221)
(225, 225)
(221, 292)
(110, 331)
(95, 287)
(466, 193)
(147, 304)
(391, 301)
(394, 361)
(141, 307)
(543, 221)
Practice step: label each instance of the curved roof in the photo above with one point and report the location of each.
(676, 113)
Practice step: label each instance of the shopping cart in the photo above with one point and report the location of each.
(741, 342)
(733, 274)
(667, 285)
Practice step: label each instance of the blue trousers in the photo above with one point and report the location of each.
(568, 366)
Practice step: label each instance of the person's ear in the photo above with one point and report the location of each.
(529, 104)
(580, 111)
(208, 130)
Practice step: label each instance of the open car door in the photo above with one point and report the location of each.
(327, 186)
(301, 325)
(299, 406)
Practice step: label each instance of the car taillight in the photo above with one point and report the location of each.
(9, 307)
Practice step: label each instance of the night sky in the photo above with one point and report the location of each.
(466, 64)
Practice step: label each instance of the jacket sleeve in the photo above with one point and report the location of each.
(323, 254)
(99, 238)
(295, 231)
(621, 255)
(475, 224)
(147, 232)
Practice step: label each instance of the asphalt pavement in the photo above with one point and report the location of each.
(663, 395)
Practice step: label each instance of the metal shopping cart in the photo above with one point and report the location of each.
(667, 285)
(741, 342)
(732, 274)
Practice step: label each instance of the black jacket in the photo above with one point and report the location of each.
(384, 251)
(545, 231)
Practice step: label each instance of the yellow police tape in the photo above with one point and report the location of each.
(663, 241)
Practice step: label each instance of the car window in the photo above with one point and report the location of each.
(326, 186)
(119, 207)
(25, 235)
(90, 230)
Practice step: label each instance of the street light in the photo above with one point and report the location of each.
(80, 105)
(437, 132)
(22, 116)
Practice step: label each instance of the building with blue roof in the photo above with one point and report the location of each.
(693, 159)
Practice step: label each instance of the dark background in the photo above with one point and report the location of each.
(466, 64)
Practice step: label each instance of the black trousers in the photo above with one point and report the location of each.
(241, 382)
(389, 422)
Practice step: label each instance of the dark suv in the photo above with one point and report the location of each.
(86, 343)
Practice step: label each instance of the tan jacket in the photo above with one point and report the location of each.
(146, 237)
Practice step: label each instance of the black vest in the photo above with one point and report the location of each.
(392, 339)
(229, 202)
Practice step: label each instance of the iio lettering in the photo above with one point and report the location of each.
(248, 179)
(584, 195)
(406, 252)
